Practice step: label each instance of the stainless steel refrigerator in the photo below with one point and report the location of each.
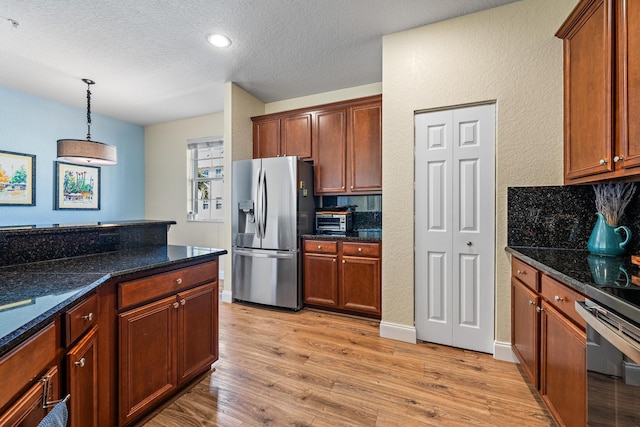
(272, 207)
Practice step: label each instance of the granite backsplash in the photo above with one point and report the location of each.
(560, 217)
(367, 209)
(25, 244)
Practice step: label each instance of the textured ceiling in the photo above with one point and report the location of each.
(152, 64)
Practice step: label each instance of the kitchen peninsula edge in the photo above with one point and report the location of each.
(63, 317)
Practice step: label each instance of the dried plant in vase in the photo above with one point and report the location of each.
(612, 199)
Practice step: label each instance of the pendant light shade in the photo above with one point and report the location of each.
(82, 151)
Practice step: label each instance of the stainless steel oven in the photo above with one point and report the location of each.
(613, 355)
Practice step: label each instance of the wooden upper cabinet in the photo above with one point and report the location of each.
(266, 138)
(330, 151)
(296, 136)
(282, 136)
(629, 82)
(601, 91)
(344, 140)
(365, 148)
(348, 148)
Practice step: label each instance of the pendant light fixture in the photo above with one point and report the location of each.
(82, 151)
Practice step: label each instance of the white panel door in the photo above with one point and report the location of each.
(454, 227)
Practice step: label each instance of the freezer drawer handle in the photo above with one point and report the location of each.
(278, 255)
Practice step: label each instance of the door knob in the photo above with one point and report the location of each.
(469, 243)
(80, 363)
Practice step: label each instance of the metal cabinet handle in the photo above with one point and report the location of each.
(334, 260)
(183, 301)
(178, 280)
(616, 159)
(343, 187)
(80, 363)
(343, 261)
(359, 249)
(319, 247)
(519, 272)
(352, 187)
(469, 243)
(603, 162)
(88, 317)
(531, 302)
(176, 305)
(558, 299)
(539, 309)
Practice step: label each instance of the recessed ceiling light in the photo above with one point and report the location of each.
(218, 40)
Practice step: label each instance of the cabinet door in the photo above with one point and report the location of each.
(296, 136)
(360, 284)
(197, 330)
(82, 372)
(588, 109)
(563, 369)
(629, 82)
(330, 150)
(147, 356)
(365, 148)
(266, 138)
(321, 279)
(27, 411)
(525, 329)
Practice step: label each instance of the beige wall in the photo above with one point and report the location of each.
(166, 182)
(239, 107)
(324, 98)
(507, 54)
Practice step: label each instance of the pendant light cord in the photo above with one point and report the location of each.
(88, 113)
(89, 83)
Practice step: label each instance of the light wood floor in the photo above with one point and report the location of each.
(311, 368)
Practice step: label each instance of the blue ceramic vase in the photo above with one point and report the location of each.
(606, 239)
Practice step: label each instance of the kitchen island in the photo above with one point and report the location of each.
(87, 325)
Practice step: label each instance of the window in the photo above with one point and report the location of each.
(206, 177)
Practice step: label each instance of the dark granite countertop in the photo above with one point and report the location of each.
(598, 277)
(32, 294)
(373, 235)
(74, 227)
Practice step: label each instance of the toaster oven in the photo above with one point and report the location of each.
(334, 222)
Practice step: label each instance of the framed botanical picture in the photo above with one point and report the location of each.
(17, 179)
(77, 186)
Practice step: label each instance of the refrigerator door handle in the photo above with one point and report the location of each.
(258, 198)
(273, 254)
(264, 203)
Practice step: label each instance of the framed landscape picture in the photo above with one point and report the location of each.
(77, 187)
(17, 179)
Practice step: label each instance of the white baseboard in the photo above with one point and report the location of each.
(226, 296)
(221, 274)
(502, 351)
(398, 332)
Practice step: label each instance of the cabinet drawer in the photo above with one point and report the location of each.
(525, 273)
(157, 286)
(563, 298)
(321, 246)
(361, 249)
(22, 365)
(80, 318)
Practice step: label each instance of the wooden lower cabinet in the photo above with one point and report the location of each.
(163, 344)
(82, 381)
(549, 340)
(360, 278)
(525, 329)
(343, 276)
(197, 331)
(563, 368)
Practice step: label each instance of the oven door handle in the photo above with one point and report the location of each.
(614, 336)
